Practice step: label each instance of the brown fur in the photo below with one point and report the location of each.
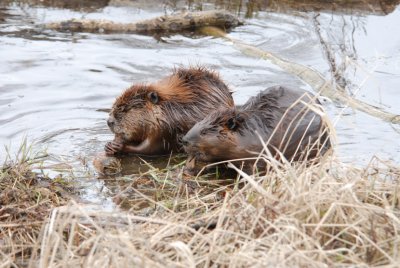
(151, 119)
(277, 115)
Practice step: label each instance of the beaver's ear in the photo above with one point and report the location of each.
(234, 122)
(153, 97)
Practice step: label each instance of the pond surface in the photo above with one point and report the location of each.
(53, 86)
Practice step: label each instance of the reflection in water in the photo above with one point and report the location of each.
(55, 86)
(376, 7)
(83, 5)
(338, 48)
(156, 182)
(252, 7)
(249, 7)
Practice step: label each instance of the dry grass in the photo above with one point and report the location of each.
(327, 215)
(324, 214)
(26, 199)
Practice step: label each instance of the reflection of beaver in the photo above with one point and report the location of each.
(277, 115)
(151, 119)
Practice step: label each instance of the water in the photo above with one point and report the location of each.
(54, 85)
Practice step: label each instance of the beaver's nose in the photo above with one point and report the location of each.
(189, 142)
(185, 141)
(111, 122)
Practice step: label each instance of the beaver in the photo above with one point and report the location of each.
(280, 116)
(151, 119)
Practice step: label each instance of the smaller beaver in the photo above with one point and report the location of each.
(152, 119)
(280, 116)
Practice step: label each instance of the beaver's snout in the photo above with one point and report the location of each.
(190, 140)
(188, 145)
(185, 142)
(191, 144)
(111, 123)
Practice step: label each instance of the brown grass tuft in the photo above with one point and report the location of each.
(326, 215)
(26, 199)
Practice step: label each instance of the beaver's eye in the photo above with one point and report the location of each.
(153, 97)
(232, 124)
(203, 132)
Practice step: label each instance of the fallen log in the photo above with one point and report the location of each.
(187, 21)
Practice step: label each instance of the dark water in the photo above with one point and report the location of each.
(52, 84)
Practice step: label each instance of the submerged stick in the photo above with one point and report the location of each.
(164, 24)
(308, 75)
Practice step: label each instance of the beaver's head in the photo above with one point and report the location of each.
(135, 114)
(222, 135)
(157, 110)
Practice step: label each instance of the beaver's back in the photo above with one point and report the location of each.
(289, 121)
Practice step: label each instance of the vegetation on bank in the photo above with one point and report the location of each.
(326, 215)
(26, 200)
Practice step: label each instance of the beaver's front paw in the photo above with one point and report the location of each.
(113, 148)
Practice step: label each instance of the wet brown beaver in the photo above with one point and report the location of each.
(152, 119)
(279, 116)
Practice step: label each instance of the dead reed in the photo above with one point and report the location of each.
(326, 215)
(26, 199)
